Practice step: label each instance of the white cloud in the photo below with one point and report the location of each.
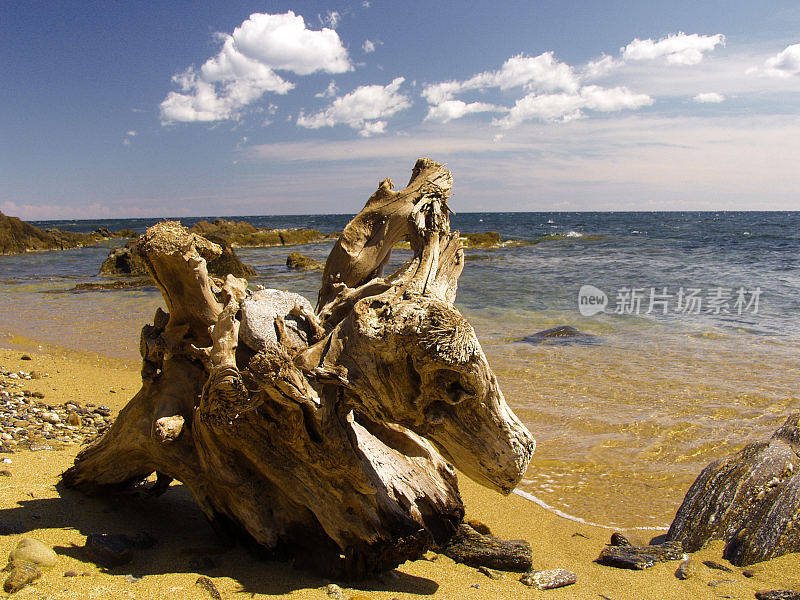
(131, 133)
(244, 69)
(533, 73)
(365, 109)
(600, 67)
(455, 109)
(328, 92)
(709, 98)
(783, 65)
(368, 46)
(563, 108)
(676, 49)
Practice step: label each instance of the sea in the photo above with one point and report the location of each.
(684, 347)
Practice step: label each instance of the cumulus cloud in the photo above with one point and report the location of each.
(675, 49)
(368, 47)
(783, 65)
(455, 109)
(709, 98)
(244, 69)
(540, 73)
(564, 107)
(600, 67)
(364, 109)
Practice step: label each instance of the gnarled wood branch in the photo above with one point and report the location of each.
(327, 435)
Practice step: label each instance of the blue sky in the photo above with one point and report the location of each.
(237, 108)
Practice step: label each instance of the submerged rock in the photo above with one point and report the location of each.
(751, 500)
(300, 262)
(563, 335)
(475, 549)
(550, 579)
(639, 557)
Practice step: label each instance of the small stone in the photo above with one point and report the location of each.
(490, 573)
(471, 548)
(70, 573)
(749, 572)
(476, 586)
(25, 357)
(617, 539)
(778, 595)
(715, 565)
(73, 419)
(5, 473)
(687, 569)
(718, 582)
(131, 579)
(549, 579)
(51, 417)
(208, 585)
(335, 592)
(640, 557)
(103, 410)
(110, 549)
(34, 551)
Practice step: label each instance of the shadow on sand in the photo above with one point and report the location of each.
(184, 542)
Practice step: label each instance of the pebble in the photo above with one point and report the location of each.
(335, 592)
(25, 418)
(25, 357)
(550, 579)
(715, 565)
(717, 582)
(490, 573)
(617, 539)
(70, 573)
(6, 461)
(749, 572)
(5, 473)
(208, 585)
(687, 569)
(110, 549)
(26, 562)
(777, 595)
(132, 579)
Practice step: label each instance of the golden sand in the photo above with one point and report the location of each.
(187, 548)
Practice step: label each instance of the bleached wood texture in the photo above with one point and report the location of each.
(330, 438)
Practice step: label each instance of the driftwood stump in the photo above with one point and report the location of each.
(326, 436)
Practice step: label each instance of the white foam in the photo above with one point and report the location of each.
(574, 234)
(563, 515)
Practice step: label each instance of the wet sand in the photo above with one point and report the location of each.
(186, 547)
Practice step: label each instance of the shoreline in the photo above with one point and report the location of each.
(63, 519)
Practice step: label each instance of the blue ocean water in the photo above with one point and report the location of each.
(656, 253)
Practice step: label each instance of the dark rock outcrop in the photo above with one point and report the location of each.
(475, 549)
(751, 500)
(124, 262)
(242, 234)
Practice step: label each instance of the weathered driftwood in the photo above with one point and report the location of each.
(325, 436)
(751, 500)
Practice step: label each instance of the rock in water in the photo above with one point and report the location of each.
(751, 500)
(563, 335)
(110, 549)
(26, 564)
(550, 579)
(259, 312)
(300, 262)
(475, 549)
(639, 557)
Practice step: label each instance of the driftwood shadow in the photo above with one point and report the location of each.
(184, 542)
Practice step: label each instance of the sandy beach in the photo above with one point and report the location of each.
(186, 547)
